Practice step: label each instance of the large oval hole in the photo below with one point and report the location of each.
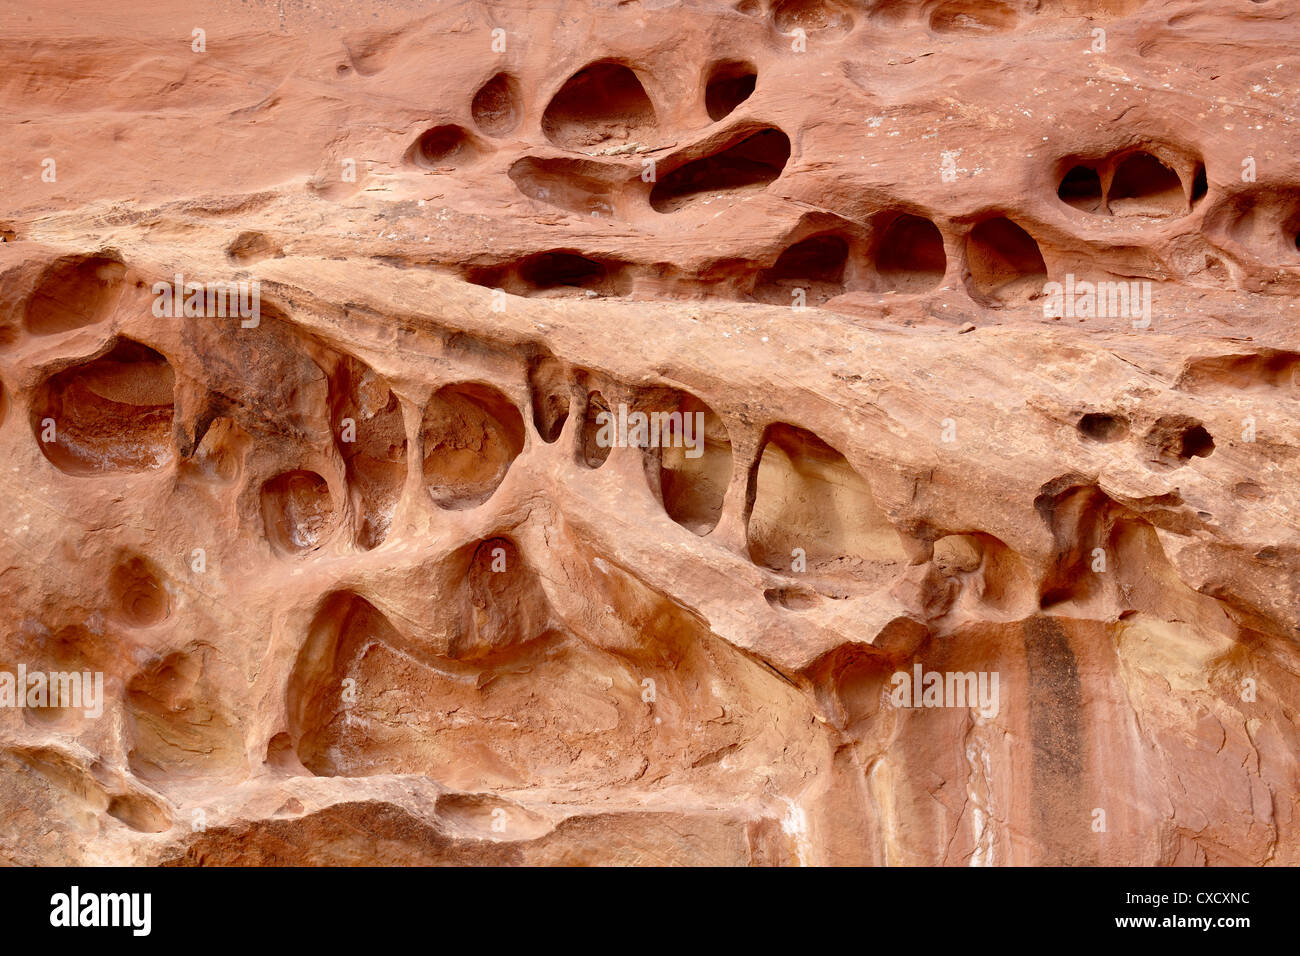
(602, 104)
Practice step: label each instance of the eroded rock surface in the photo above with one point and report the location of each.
(363, 577)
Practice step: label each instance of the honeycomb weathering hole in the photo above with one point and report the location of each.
(502, 603)
(601, 104)
(806, 496)
(479, 813)
(316, 677)
(811, 16)
(271, 378)
(74, 292)
(371, 437)
(1174, 440)
(815, 265)
(180, 720)
(443, 146)
(957, 554)
(495, 106)
(729, 85)
(569, 270)
(910, 256)
(139, 597)
(695, 466)
(981, 566)
(524, 703)
(139, 813)
(1084, 518)
(592, 452)
(1144, 186)
(1005, 262)
(219, 458)
(500, 628)
(112, 413)
(251, 246)
(792, 599)
(1264, 370)
(548, 392)
(1081, 188)
(74, 647)
(577, 185)
(1101, 427)
(471, 434)
(973, 16)
(297, 511)
(560, 272)
(745, 167)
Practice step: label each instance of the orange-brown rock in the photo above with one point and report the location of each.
(986, 311)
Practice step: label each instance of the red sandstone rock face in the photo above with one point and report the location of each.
(367, 583)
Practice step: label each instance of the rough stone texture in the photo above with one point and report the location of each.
(345, 674)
